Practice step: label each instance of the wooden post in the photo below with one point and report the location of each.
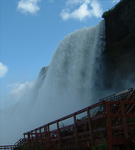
(29, 140)
(45, 140)
(36, 137)
(59, 142)
(25, 139)
(48, 138)
(90, 127)
(41, 138)
(124, 122)
(75, 123)
(33, 139)
(109, 125)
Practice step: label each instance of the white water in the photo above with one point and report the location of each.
(66, 86)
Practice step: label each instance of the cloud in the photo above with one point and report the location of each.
(75, 2)
(83, 11)
(115, 1)
(3, 70)
(28, 6)
(97, 10)
(19, 90)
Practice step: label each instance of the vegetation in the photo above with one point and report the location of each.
(24, 146)
(130, 119)
(116, 7)
(103, 146)
(21, 147)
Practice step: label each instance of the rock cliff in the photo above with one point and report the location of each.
(119, 55)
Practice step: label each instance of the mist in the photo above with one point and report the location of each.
(68, 84)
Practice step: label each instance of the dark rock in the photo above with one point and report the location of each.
(119, 54)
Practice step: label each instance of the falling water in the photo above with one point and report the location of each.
(62, 88)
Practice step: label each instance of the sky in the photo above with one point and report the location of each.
(30, 31)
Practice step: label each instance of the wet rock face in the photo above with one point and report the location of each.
(43, 72)
(120, 21)
(119, 55)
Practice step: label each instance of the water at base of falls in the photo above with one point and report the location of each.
(62, 88)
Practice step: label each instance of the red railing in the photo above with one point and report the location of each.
(7, 147)
(113, 122)
(83, 133)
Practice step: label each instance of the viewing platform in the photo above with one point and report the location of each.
(109, 122)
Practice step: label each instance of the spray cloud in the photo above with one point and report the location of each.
(62, 88)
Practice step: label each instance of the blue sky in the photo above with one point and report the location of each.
(30, 31)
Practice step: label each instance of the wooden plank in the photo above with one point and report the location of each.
(41, 137)
(130, 115)
(80, 122)
(68, 137)
(130, 95)
(117, 128)
(109, 124)
(129, 102)
(59, 142)
(98, 117)
(125, 146)
(66, 127)
(48, 137)
(90, 127)
(131, 108)
(118, 140)
(84, 133)
(100, 130)
(75, 129)
(85, 139)
(133, 142)
(115, 115)
(29, 140)
(54, 139)
(124, 122)
(45, 136)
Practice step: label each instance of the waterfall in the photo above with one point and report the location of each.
(62, 88)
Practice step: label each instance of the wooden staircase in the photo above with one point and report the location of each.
(113, 122)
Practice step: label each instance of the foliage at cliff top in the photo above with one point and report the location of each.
(115, 8)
